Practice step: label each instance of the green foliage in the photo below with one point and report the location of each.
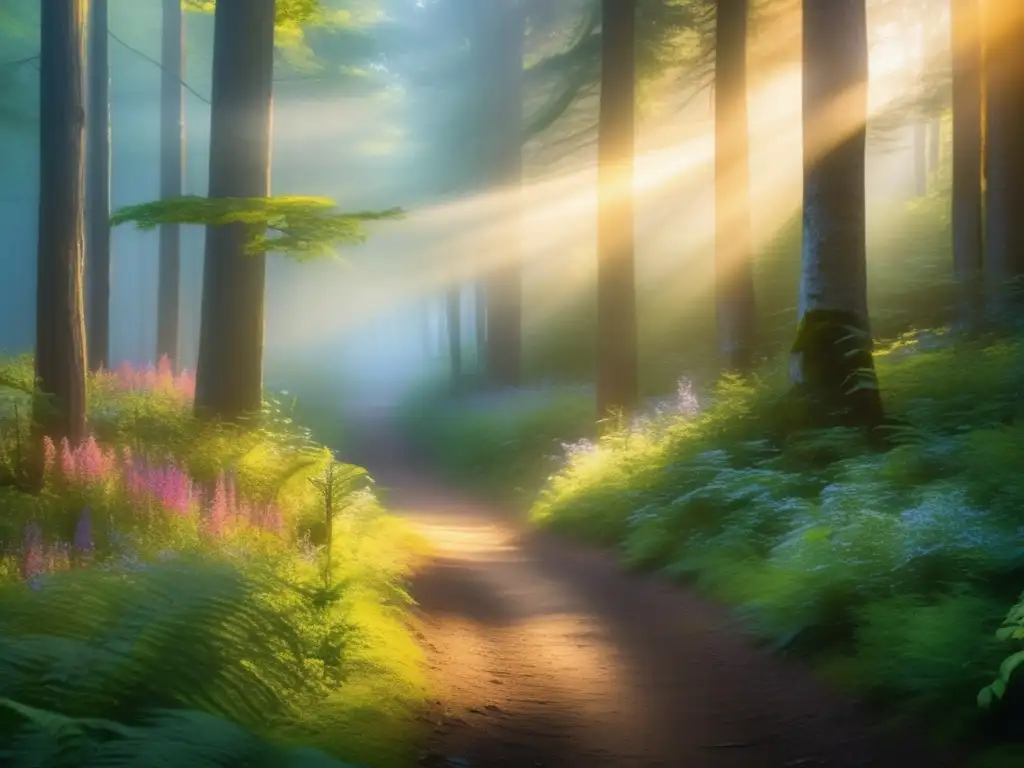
(890, 569)
(504, 448)
(167, 640)
(305, 227)
(666, 39)
(899, 562)
(1011, 634)
(169, 661)
(288, 12)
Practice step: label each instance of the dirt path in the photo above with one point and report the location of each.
(546, 654)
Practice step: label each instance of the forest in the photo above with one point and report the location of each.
(467, 383)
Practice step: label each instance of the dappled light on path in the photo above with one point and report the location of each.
(543, 653)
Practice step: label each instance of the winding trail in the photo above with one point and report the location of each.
(545, 653)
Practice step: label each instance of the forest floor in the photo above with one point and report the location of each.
(545, 653)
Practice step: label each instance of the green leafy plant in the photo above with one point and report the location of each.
(304, 228)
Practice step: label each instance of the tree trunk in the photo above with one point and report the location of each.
(966, 213)
(504, 281)
(60, 323)
(734, 277)
(229, 376)
(172, 141)
(453, 322)
(1004, 151)
(97, 196)
(832, 368)
(617, 387)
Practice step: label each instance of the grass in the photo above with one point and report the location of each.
(203, 593)
(891, 571)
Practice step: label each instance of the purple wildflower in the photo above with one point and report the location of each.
(83, 532)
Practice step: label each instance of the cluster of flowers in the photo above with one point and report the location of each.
(158, 378)
(219, 509)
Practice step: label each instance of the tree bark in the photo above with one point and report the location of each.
(229, 375)
(60, 362)
(734, 276)
(617, 385)
(832, 367)
(503, 303)
(97, 196)
(172, 143)
(1004, 151)
(966, 212)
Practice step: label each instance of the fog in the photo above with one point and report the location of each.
(372, 322)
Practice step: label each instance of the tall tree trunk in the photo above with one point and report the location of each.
(453, 322)
(1004, 150)
(734, 276)
(97, 196)
(172, 141)
(60, 362)
(617, 386)
(504, 282)
(229, 376)
(832, 367)
(966, 213)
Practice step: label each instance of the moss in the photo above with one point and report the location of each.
(836, 385)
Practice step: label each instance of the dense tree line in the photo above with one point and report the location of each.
(508, 49)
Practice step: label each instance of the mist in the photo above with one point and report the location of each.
(371, 323)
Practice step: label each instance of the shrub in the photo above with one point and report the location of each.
(210, 593)
(894, 565)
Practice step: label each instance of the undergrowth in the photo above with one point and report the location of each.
(502, 445)
(183, 593)
(892, 570)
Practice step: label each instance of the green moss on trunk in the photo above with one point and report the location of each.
(833, 374)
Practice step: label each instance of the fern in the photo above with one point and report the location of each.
(173, 738)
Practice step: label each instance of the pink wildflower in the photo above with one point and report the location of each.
(165, 372)
(219, 509)
(186, 385)
(67, 459)
(90, 461)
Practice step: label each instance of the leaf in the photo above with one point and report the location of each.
(305, 227)
(1010, 664)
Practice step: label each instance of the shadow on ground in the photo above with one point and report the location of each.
(545, 654)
